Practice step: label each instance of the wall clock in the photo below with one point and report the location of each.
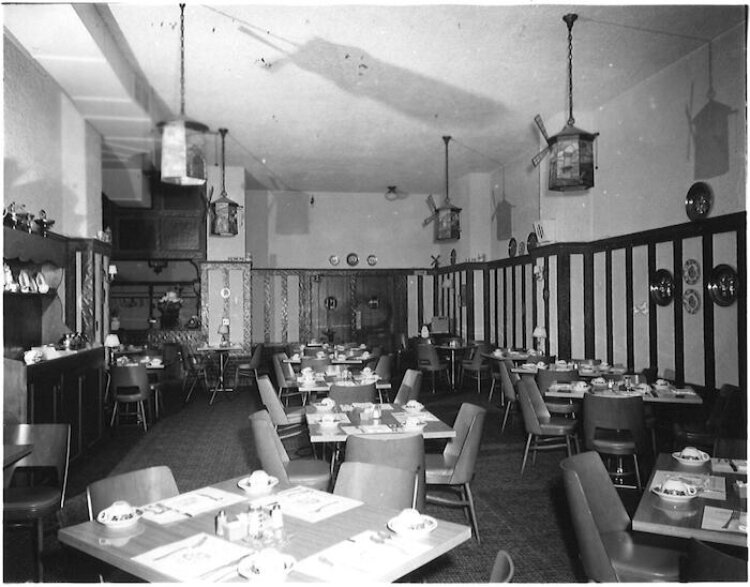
(723, 285)
(352, 259)
(334, 260)
(699, 200)
(661, 287)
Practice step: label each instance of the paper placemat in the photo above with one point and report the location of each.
(424, 416)
(356, 558)
(709, 486)
(725, 466)
(367, 429)
(724, 520)
(194, 558)
(310, 505)
(190, 504)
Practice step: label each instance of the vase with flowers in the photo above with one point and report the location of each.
(169, 305)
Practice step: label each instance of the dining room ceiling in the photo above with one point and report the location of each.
(356, 98)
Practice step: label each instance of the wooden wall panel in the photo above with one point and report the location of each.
(725, 318)
(577, 326)
(619, 332)
(665, 314)
(640, 306)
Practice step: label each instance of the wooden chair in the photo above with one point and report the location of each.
(608, 550)
(454, 467)
(376, 485)
(403, 451)
(503, 568)
(250, 369)
(46, 474)
(136, 487)
(129, 386)
(196, 371)
(411, 385)
(288, 422)
(275, 460)
(429, 360)
(349, 394)
(543, 431)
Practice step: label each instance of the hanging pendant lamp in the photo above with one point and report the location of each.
(448, 219)
(182, 162)
(224, 214)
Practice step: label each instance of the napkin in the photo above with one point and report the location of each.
(724, 466)
(200, 501)
(716, 518)
(311, 505)
(317, 417)
(425, 416)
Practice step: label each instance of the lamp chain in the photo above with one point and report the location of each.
(223, 133)
(182, 60)
(569, 20)
(446, 140)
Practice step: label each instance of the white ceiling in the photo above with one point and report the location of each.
(351, 98)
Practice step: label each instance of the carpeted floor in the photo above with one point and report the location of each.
(526, 516)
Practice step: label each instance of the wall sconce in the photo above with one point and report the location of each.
(540, 333)
(112, 272)
(224, 212)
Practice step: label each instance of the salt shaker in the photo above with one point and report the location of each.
(220, 523)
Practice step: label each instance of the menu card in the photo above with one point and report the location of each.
(308, 504)
(187, 505)
(361, 556)
(724, 520)
(709, 486)
(198, 557)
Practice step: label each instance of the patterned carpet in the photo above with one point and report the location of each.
(527, 516)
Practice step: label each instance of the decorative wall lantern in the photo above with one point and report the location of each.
(447, 217)
(224, 212)
(571, 166)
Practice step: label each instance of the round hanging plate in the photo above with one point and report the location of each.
(691, 271)
(334, 260)
(512, 245)
(691, 301)
(661, 287)
(532, 242)
(699, 200)
(723, 285)
(372, 260)
(352, 259)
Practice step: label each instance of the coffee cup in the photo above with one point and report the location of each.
(692, 453)
(270, 563)
(259, 478)
(410, 517)
(677, 488)
(118, 511)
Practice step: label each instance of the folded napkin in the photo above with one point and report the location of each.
(195, 502)
(310, 505)
(725, 466)
(425, 416)
(724, 520)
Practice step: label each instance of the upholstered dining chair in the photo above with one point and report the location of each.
(136, 487)
(508, 387)
(289, 422)
(563, 407)
(454, 467)
(616, 426)
(286, 379)
(403, 451)
(317, 365)
(543, 431)
(130, 385)
(476, 366)
(726, 418)
(609, 551)
(32, 504)
(704, 563)
(428, 360)
(275, 460)
(383, 371)
(249, 370)
(411, 385)
(376, 485)
(348, 394)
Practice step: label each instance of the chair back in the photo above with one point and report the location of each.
(462, 451)
(403, 451)
(136, 487)
(506, 382)
(410, 387)
(51, 450)
(728, 417)
(271, 452)
(284, 372)
(509, 366)
(503, 568)
(530, 417)
(704, 563)
(130, 380)
(311, 351)
(348, 394)
(256, 360)
(595, 509)
(546, 377)
(383, 368)
(614, 413)
(191, 362)
(272, 402)
(427, 358)
(318, 365)
(376, 485)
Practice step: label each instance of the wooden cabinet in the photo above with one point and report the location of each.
(88, 288)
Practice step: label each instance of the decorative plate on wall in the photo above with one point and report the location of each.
(691, 301)
(334, 260)
(512, 247)
(522, 248)
(532, 242)
(691, 271)
(699, 200)
(453, 256)
(661, 287)
(352, 259)
(723, 285)
(372, 260)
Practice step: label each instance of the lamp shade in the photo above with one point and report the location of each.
(540, 332)
(182, 163)
(112, 341)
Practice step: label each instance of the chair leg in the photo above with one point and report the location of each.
(38, 545)
(472, 511)
(505, 418)
(526, 452)
(114, 415)
(492, 389)
(637, 472)
(192, 387)
(141, 408)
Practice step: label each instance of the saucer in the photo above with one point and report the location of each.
(674, 498)
(246, 486)
(248, 568)
(691, 462)
(425, 525)
(320, 407)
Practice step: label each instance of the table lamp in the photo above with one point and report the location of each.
(540, 333)
(224, 331)
(111, 342)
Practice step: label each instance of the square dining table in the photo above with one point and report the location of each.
(717, 514)
(329, 537)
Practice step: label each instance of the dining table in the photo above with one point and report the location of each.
(452, 349)
(223, 352)
(717, 513)
(322, 537)
(655, 395)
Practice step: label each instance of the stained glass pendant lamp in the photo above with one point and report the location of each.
(448, 216)
(182, 162)
(224, 212)
(571, 166)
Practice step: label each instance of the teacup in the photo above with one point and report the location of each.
(412, 422)
(269, 563)
(118, 511)
(259, 478)
(677, 488)
(691, 453)
(662, 383)
(366, 371)
(409, 517)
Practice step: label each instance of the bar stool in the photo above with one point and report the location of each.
(130, 385)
